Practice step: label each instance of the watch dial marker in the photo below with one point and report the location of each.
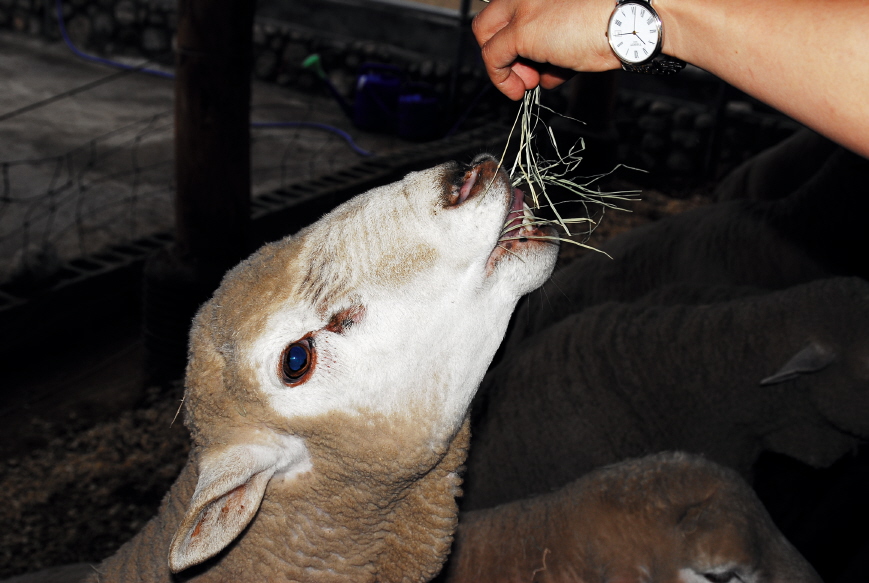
(632, 43)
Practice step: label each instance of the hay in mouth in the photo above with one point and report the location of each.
(535, 173)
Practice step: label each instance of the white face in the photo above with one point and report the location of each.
(634, 33)
(431, 292)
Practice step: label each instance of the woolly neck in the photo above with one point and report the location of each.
(349, 519)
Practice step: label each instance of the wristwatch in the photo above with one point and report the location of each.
(636, 36)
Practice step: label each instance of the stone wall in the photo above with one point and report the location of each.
(684, 142)
(146, 28)
(109, 27)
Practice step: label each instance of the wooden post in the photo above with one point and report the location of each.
(212, 172)
(212, 131)
(461, 49)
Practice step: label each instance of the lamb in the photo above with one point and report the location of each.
(765, 244)
(666, 517)
(785, 371)
(328, 386)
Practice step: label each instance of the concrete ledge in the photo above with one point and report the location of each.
(426, 30)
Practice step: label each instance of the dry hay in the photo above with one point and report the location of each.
(538, 175)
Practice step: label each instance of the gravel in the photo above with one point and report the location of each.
(90, 489)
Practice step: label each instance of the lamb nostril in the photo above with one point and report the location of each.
(467, 186)
(470, 180)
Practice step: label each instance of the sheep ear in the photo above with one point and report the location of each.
(691, 514)
(812, 358)
(231, 485)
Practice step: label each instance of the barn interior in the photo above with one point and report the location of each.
(135, 173)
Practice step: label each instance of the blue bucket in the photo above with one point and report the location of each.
(418, 112)
(376, 104)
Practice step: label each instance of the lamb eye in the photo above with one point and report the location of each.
(725, 577)
(296, 361)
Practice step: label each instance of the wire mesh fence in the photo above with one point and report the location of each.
(111, 189)
(119, 186)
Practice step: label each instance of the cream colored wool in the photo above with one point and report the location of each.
(360, 528)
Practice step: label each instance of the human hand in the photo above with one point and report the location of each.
(526, 43)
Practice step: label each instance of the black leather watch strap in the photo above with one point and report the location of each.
(661, 65)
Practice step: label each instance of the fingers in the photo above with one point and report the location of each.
(519, 77)
(495, 16)
(551, 77)
(494, 28)
(511, 73)
(521, 38)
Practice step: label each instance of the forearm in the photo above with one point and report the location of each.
(805, 58)
(569, 34)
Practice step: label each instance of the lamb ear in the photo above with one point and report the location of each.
(229, 492)
(812, 358)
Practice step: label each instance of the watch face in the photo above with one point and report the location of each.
(634, 32)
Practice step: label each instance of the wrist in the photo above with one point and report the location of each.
(677, 17)
(686, 22)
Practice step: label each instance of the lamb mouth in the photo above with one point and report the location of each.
(518, 228)
(518, 223)
(520, 231)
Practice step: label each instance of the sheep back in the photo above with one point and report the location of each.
(625, 380)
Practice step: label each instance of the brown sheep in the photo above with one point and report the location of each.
(665, 518)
